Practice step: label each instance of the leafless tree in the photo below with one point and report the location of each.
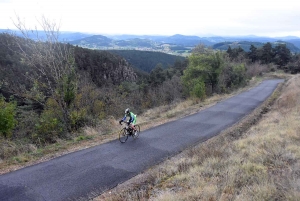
(53, 72)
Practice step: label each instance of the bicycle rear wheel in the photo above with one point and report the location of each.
(123, 135)
(136, 135)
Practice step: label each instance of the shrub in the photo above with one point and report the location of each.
(26, 123)
(255, 69)
(198, 90)
(7, 117)
(239, 74)
(78, 118)
(50, 125)
(99, 109)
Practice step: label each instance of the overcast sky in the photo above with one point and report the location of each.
(161, 17)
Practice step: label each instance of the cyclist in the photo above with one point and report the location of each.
(131, 121)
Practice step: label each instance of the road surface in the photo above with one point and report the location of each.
(77, 175)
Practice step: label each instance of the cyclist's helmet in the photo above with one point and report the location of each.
(127, 111)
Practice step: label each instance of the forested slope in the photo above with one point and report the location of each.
(147, 60)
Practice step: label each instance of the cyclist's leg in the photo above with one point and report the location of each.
(133, 123)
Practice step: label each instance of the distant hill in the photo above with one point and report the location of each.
(245, 45)
(185, 40)
(251, 39)
(94, 41)
(286, 38)
(181, 42)
(296, 42)
(289, 45)
(177, 43)
(103, 42)
(63, 35)
(147, 60)
(135, 42)
(71, 36)
(127, 37)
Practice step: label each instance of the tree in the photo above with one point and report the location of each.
(203, 69)
(235, 53)
(267, 53)
(179, 66)
(229, 51)
(157, 75)
(282, 55)
(294, 65)
(253, 53)
(52, 63)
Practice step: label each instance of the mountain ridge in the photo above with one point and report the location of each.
(155, 42)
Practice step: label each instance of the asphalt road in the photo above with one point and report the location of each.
(77, 175)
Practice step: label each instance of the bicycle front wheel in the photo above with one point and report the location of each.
(123, 135)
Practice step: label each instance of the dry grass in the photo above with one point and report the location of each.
(246, 162)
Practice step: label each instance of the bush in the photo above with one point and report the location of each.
(50, 125)
(238, 76)
(294, 68)
(48, 129)
(198, 90)
(78, 118)
(201, 69)
(26, 123)
(7, 117)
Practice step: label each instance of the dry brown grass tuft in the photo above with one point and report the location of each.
(290, 98)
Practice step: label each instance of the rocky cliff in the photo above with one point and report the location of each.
(104, 67)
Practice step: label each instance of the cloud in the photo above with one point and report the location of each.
(162, 17)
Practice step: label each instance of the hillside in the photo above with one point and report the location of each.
(147, 60)
(94, 42)
(104, 67)
(64, 36)
(101, 66)
(176, 44)
(245, 45)
(181, 45)
(185, 40)
(103, 42)
(296, 42)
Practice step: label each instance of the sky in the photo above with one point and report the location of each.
(273, 18)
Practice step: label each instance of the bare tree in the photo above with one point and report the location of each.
(52, 63)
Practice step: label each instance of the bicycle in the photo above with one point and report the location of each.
(128, 131)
